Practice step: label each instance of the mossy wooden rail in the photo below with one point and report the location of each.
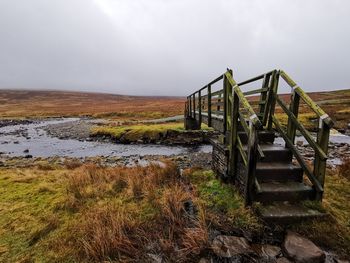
(242, 122)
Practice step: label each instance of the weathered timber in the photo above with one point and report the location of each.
(246, 154)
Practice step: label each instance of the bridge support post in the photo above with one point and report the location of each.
(191, 123)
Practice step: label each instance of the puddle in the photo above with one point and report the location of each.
(32, 139)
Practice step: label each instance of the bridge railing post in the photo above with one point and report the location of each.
(264, 97)
(209, 105)
(273, 93)
(194, 106)
(320, 164)
(294, 108)
(199, 108)
(252, 160)
(227, 107)
(233, 135)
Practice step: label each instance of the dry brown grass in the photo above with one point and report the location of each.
(146, 212)
(344, 168)
(112, 214)
(109, 232)
(59, 103)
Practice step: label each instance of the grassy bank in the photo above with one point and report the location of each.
(333, 233)
(133, 133)
(84, 213)
(93, 214)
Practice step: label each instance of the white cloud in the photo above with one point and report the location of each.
(170, 47)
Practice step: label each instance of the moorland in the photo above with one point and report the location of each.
(63, 209)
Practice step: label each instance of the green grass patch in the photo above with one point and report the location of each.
(133, 133)
(308, 120)
(223, 199)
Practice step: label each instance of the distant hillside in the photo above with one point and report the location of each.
(20, 103)
(23, 103)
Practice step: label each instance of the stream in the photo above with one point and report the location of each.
(32, 140)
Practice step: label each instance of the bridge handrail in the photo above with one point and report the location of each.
(320, 146)
(317, 109)
(236, 89)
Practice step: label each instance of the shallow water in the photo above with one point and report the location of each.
(333, 138)
(16, 139)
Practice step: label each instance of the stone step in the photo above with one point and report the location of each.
(263, 136)
(277, 171)
(285, 212)
(283, 191)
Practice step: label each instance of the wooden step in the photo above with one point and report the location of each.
(276, 171)
(263, 137)
(283, 191)
(274, 153)
(285, 213)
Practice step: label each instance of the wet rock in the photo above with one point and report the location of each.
(231, 246)
(269, 252)
(28, 156)
(16, 142)
(301, 249)
(299, 143)
(26, 151)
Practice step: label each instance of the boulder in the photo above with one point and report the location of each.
(231, 246)
(269, 252)
(301, 249)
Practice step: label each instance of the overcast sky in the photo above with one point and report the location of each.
(171, 47)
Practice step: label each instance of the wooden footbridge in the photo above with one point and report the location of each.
(246, 153)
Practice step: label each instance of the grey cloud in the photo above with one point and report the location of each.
(168, 47)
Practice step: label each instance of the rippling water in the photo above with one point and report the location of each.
(15, 140)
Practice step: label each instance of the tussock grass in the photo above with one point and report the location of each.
(136, 132)
(344, 168)
(145, 132)
(95, 214)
